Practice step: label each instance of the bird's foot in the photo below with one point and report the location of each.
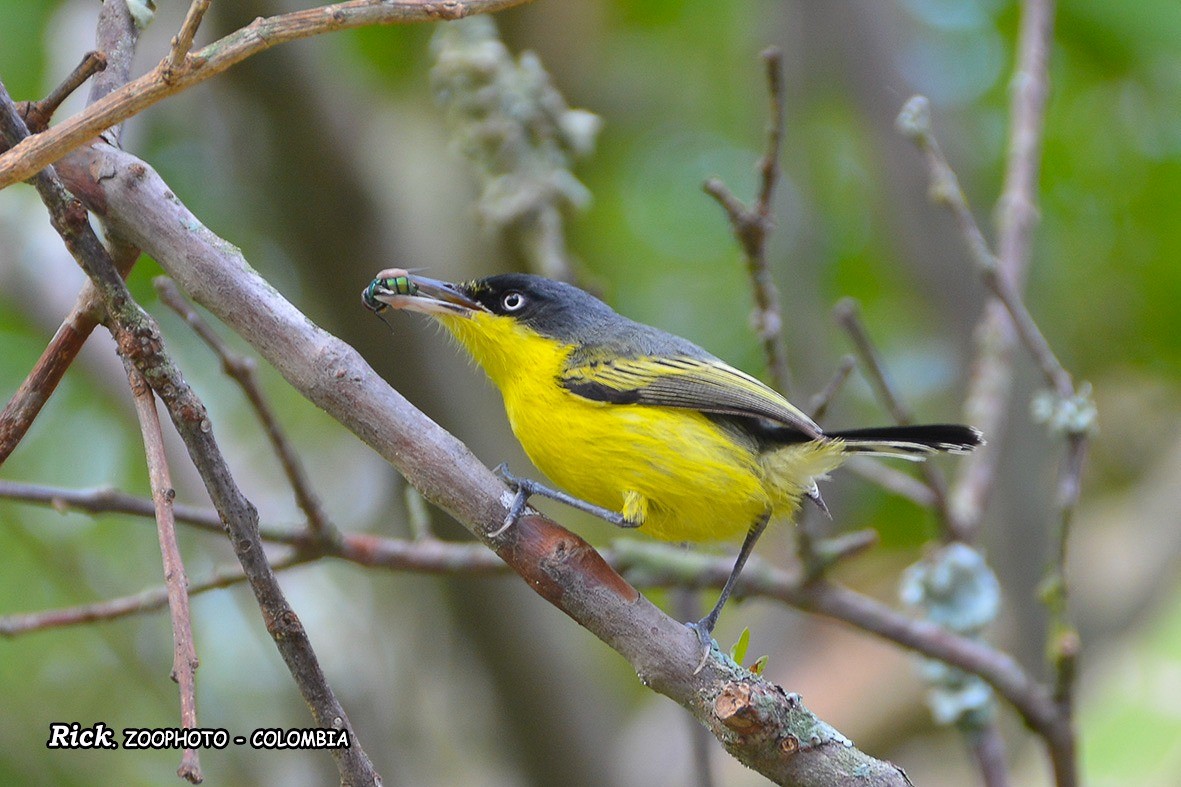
(704, 630)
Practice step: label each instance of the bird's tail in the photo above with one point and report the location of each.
(910, 442)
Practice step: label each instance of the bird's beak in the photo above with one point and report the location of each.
(401, 290)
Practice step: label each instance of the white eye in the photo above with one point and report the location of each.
(512, 301)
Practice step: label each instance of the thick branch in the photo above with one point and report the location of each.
(33, 154)
(116, 36)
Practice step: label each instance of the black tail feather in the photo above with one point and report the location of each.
(955, 438)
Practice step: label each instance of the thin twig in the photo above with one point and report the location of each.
(1031, 336)
(1017, 212)
(991, 374)
(138, 339)
(990, 382)
(417, 514)
(752, 226)
(149, 600)
(848, 316)
(818, 405)
(241, 369)
(915, 122)
(1062, 639)
(988, 747)
(184, 653)
(1063, 644)
(105, 500)
(182, 42)
(847, 313)
(893, 480)
(25, 405)
(651, 566)
(421, 555)
(31, 155)
(1005, 320)
(37, 114)
(116, 38)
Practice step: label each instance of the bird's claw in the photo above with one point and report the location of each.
(704, 631)
(520, 498)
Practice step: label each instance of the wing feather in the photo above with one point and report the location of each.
(704, 384)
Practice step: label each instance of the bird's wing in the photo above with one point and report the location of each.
(704, 384)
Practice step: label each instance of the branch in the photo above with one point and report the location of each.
(116, 39)
(649, 565)
(1063, 644)
(1005, 320)
(25, 405)
(113, 609)
(915, 121)
(988, 747)
(990, 383)
(37, 114)
(105, 500)
(241, 369)
(139, 341)
(116, 36)
(182, 42)
(991, 375)
(893, 480)
(756, 721)
(420, 555)
(661, 565)
(43, 149)
(848, 316)
(1017, 207)
(752, 226)
(818, 405)
(184, 655)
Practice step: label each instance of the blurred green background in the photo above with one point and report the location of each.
(327, 160)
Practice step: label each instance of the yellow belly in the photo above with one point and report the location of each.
(674, 470)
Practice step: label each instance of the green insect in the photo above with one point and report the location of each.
(389, 285)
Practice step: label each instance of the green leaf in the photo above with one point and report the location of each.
(738, 650)
(759, 665)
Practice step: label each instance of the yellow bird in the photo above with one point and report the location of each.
(643, 428)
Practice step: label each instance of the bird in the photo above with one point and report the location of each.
(638, 426)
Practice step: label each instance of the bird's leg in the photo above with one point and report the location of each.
(526, 488)
(704, 628)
